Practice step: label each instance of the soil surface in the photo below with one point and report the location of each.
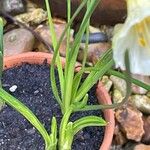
(34, 90)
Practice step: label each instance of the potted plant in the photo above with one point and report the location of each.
(73, 96)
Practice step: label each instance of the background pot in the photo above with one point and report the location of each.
(102, 94)
(108, 12)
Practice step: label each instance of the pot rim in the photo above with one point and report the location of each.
(101, 92)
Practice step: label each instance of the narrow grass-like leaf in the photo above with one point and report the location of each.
(1, 58)
(82, 103)
(68, 35)
(94, 79)
(77, 81)
(74, 53)
(133, 80)
(1, 49)
(105, 58)
(94, 76)
(63, 126)
(58, 61)
(128, 92)
(54, 128)
(53, 80)
(88, 121)
(53, 135)
(68, 136)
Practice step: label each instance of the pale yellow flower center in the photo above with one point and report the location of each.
(143, 31)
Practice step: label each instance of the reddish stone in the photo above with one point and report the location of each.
(146, 136)
(44, 32)
(18, 41)
(131, 122)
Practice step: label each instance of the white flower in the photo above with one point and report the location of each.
(134, 35)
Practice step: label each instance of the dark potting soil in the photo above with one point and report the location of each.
(34, 90)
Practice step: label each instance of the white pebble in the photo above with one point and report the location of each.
(13, 88)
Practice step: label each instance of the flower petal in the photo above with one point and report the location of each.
(134, 35)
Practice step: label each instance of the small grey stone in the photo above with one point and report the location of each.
(119, 84)
(142, 102)
(13, 6)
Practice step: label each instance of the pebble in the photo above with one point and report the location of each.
(35, 17)
(148, 94)
(131, 122)
(142, 102)
(13, 6)
(107, 83)
(13, 88)
(117, 96)
(146, 136)
(139, 90)
(44, 32)
(119, 84)
(18, 41)
(95, 51)
(93, 29)
(95, 47)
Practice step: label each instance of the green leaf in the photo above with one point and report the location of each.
(76, 82)
(1, 48)
(91, 80)
(128, 93)
(104, 64)
(73, 54)
(68, 138)
(88, 121)
(1, 59)
(63, 126)
(133, 80)
(56, 51)
(68, 35)
(58, 61)
(82, 103)
(54, 128)
(53, 135)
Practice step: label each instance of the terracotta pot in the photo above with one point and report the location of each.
(102, 94)
(108, 12)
